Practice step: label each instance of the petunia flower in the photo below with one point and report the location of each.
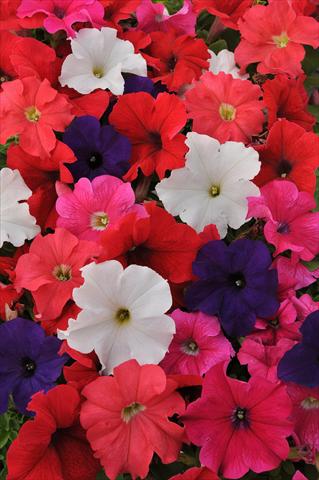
(273, 36)
(123, 314)
(61, 15)
(99, 150)
(130, 412)
(213, 186)
(33, 110)
(234, 283)
(93, 207)
(29, 362)
(300, 364)
(290, 225)
(155, 17)
(228, 12)
(117, 10)
(224, 61)
(289, 153)
(225, 108)
(196, 473)
(98, 60)
(53, 445)
(152, 126)
(16, 223)
(240, 426)
(197, 345)
(51, 269)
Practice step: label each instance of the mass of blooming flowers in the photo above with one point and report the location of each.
(159, 239)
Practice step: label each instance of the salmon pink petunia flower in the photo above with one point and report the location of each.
(130, 412)
(51, 269)
(32, 109)
(225, 108)
(240, 426)
(273, 36)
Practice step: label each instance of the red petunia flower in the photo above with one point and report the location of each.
(8, 43)
(117, 10)
(157, 241)
(153, 126)
(287, 98)
(130, 412)
(10, 21)
(33, 110)
(228, 11)
(40, 175)
(225, 108)
(289, 152)
(51, 269)
(53, 445)
(196, 473)
(273, 35)
(175, 59)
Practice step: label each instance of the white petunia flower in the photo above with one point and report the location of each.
(224, 61)
(16, 223)
(122, 314)
(214, 184)
(98, 59)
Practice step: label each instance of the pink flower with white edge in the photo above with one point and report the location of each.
(94, 206)
(154, 17)
(290, 224)
(198, 344)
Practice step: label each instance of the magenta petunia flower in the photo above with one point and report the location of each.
(239, 425)
(197, 345)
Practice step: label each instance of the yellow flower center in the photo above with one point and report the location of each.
(131, 410)
(62, 272)
(214, 191)
(98, 72)
(99, 221)
(281, 40)
(122, 316)
(227, 112)
(310, 403)
(32, 114)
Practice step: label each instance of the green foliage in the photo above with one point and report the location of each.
(10, 424)
(4, 148)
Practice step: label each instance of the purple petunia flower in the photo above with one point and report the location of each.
(29, 362)
(234, 283)
(301, 363)
(99, 150)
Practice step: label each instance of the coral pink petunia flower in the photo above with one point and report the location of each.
(51, 270)
(130, 411)
(62, 14)
(92, 207)
(32, 109)
(290, 224)
(152, 17)
(197, 345)
(225, 108)
(273, 36)
(228, 11)
(153, 126)
(239, 425)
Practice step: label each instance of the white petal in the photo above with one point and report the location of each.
(240, 162)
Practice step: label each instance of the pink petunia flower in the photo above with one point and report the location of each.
(225, 108)
(273, 35)
(94, 206)
(197, 345)
(154, 17)
(239, 425)
(51, 269)
(262, 359)
(290, 224)
(126, 418)
(62, 14)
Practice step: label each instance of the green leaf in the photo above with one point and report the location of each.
(314, 110)
(311, 60)
(218, 46)
(4, 437)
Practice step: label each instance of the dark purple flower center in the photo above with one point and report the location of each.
(59, 12)
(284, 168)
(237, 280)
(156, 139)
(29, 366)
(171, 63)
(240, 417)
(283, 228)
(274, 323)
(95, 160)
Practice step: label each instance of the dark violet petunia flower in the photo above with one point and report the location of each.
(29, 362)
(301, 363)
(99, 150)
(234, 283)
